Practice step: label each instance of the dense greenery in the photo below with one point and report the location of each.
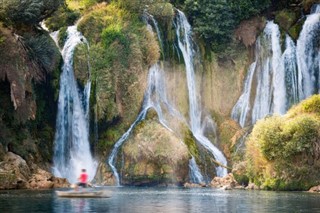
(281, 149)
(27, 11)
(215, 20)
(121, 50)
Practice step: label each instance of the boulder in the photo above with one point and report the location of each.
(315, 189)
(14, 172)
(227, 182)
(45, 180)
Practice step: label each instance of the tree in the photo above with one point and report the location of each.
(27, 11)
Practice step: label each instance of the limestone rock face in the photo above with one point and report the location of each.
(15, 173)
(45, 180)
(154, 156)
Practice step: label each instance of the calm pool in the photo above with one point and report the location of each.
(129, 199)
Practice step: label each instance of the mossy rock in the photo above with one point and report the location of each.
(81, 64)
(154, 155)
(62, 36)
(286, 19)
(162, 11)
(295, 30)
(61, 18)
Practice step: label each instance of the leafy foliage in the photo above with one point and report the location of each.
(61, 18)
(27, 11)
(215, 20)
(281, 149)
(43, 51)
(121, 48)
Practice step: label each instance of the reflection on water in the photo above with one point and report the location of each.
(176, 200)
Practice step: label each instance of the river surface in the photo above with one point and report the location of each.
(176, 200)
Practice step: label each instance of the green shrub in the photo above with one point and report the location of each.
(114, 33)
(214, 21)
(63, 17)
(27, 11)
(282, 152)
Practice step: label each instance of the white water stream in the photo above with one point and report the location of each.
(281, 79)
(72, 150)
(184, 35)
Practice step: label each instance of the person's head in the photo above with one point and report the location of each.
(83, 170)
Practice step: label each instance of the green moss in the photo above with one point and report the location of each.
(190, 141)
(295, 30)
(81, 64)
(61, 18)
(242, 179)
(286, 18)
(62, 37)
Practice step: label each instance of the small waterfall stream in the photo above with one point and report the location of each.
(184, 35)
(72, 150)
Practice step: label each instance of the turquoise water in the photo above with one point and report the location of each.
(127, 199)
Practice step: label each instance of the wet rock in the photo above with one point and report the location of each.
(15, 173)
(315, 189)
(45, 180)
(194, 185)
(227, 182)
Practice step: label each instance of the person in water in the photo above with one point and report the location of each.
(83, 179)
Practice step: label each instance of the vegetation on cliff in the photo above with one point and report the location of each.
(282, 153)
(29, 79)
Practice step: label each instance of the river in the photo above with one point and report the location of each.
(176, 200)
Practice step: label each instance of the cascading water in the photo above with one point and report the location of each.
(184, 35)
(148, 17)
(242, 107)
(271, 92)
(308, 55)
(72, 150)
(155, 97)
(282, 79)
(291, 71)
(194, 173)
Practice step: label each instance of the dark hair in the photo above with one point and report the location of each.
(83, 170)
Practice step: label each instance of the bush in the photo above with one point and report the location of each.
(27, 11)
(282, 152)
(61, 18)
(215, 20)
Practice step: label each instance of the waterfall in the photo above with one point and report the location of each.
(283, 79)
(148, 17)
(242, 107)
(155, 97)
(72, 150)
(271, 92)
(194, 173)
(291, 72)
(185, 43)
(308, 55)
